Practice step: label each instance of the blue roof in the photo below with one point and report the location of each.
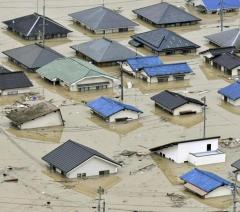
(138, 63)
(231, 91)
(216, 4)
(168, 69)
(106, 107)
(204, 180)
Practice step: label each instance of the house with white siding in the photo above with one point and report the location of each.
(74, 160)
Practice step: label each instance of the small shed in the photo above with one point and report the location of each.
(32, 57)
(165, 15)
(74, 160)
(206, 184)
(236, 165)
(113, 111)
(30, 27)
(201, 151)
(103, 52)
(43, 114)
(163, 41)
(231, 93)
(12, 83)
(101, 20)
(177, 104)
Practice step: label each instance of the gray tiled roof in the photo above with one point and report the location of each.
(236, 164)
(70, 155)
(229, 61)
(98, 18)
(104, 50)
(3, 70)
(226, 38)
(220, 50)
(162, 39)
(33, 56)
(165, 13)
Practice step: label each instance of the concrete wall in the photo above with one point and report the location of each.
(221, 191)
(130, 115)
(49, 120)
(15, 91)
(188, 107)
(92, 167)
(204, 160)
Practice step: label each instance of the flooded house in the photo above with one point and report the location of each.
(201, 151)
(231, 93)
(12, 83)
(164, 42)
(206, 184)
(236, 166)
(103, 52)
(76, 75)
(165, 15)
(113, 111)
(74, 160)
(43, 114)
(101, 20)
(30, 27)
(177, 104)
(32, 57)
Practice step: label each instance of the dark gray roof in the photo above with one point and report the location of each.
(165, 13)
(70, 155)
(171, 100)
(104, 50)
(33, 56)
(30, 25)
(163, 39)
(229, 61)
(226, 38)
(220, 50)
(98, 18)
(236, 164)
(3, 70)
(12, 80)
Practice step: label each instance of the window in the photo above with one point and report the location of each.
(209, 147)
(105, 172)
(81, 175)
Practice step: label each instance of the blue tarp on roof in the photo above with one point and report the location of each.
(231, 91)
(216, 4)
(138, 63)
(204, 180)
(168, 69)
(106, 107)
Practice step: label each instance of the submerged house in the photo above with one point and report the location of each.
(163, 41)
(32, 57)
(74, 160)
(165, 15)
(198, 152)
(12, 83)
(236, 165)
(30, 27)
(101, 20)
(113, 111)
(231, 93)
(206, 184)
(43, 114)
(177, 104)
(103, 51)
(76, 75)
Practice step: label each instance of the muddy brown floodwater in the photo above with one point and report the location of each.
(148, 189)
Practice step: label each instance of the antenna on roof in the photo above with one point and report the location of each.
(221, 14)
(43, 31)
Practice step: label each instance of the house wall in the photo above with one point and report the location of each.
(209, 159)
(49, 120)
(130, 115)
(92, 167)
(188, 107)
(234, 103)
(15, 91)
(125, 67)
(238, 177)
(170, 153)
(221, 191)
(236, 71)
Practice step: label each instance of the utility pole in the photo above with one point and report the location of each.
(43, 30)
(121, 84)
(221, 14)
(103, 3)
(37, 6)
(204, 116)
(100, 191)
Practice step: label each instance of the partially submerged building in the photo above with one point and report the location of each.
(76, 75)
(74, 160)
(231, 93)
(165, 15)
(201, 151)
(32, 57)
(30, 27)
(101, 20)
(163, 41)
(177, 104)
(113, 111)
(103, 51)
(236, 165)
(43, 114)
(206, 184)
(12, 83)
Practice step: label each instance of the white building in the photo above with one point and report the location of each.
(40, 115)
(74, 160)
(200, 151)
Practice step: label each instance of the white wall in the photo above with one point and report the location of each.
(238, 177)
(188, 107)
(234, 103)
(170, 153)
(92, 167)
(49, 120)
(125, 67)
(131, 115)
(235, 71)
(19, 90)
(204, 160)
(221, 191)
